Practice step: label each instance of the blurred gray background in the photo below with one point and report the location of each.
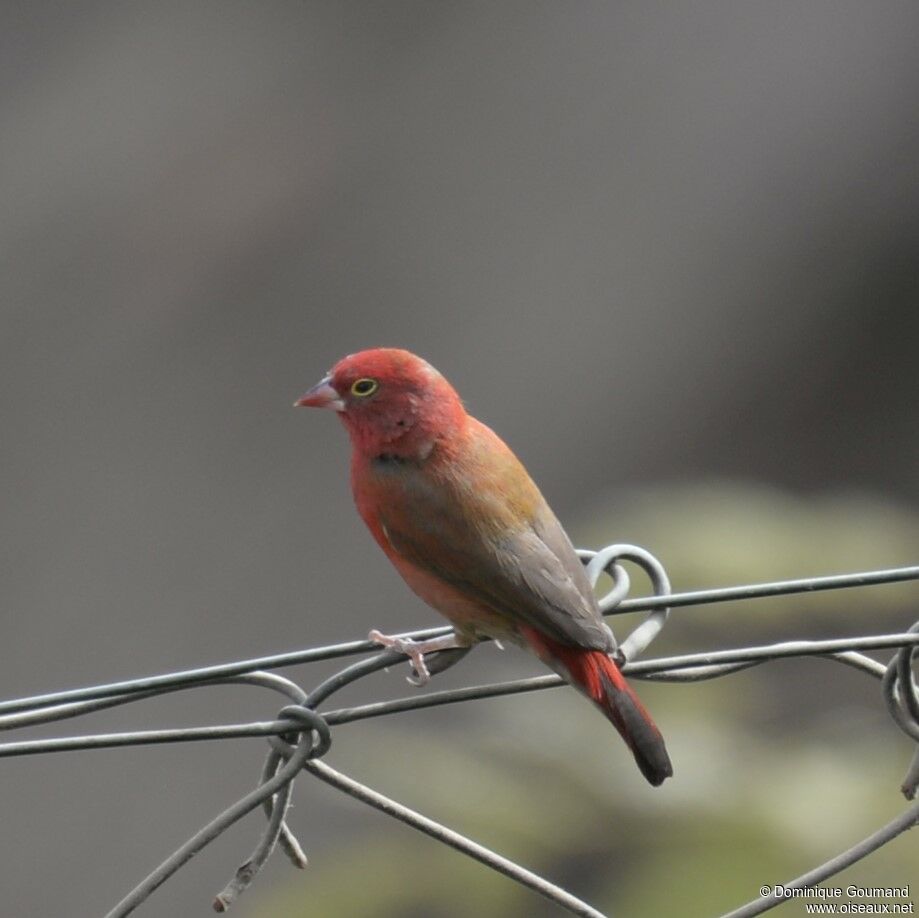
(669, 251)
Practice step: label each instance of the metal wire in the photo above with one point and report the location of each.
(300, 735)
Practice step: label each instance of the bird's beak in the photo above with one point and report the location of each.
(322, 395)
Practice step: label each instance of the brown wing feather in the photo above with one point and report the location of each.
(499, 544)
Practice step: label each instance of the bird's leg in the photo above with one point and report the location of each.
(416, 650)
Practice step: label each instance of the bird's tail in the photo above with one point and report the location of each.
(598, 677)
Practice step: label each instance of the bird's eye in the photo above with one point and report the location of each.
(364, 387)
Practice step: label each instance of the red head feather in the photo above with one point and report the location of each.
(391, 402)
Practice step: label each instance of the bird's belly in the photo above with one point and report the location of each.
(468, 616)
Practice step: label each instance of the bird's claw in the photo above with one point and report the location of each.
(414, 650)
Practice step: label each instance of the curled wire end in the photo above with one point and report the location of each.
(911, 781)
(291, 847)
(245, 874)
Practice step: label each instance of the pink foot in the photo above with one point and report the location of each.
(415, 651)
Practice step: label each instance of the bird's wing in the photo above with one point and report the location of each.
(527, 572)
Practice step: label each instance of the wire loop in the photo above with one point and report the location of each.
(607, 559)
(309, 723)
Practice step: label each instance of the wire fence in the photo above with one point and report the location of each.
(300, 735)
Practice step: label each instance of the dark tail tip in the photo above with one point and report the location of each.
(645, 741)
(655, 767)
(641, 735)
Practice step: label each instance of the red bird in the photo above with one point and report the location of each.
(466, 527)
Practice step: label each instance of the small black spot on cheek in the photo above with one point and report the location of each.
(400, 423)
(389, 460)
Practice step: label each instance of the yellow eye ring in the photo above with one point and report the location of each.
(364, 387)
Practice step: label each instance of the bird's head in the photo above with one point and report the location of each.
(391, 402)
